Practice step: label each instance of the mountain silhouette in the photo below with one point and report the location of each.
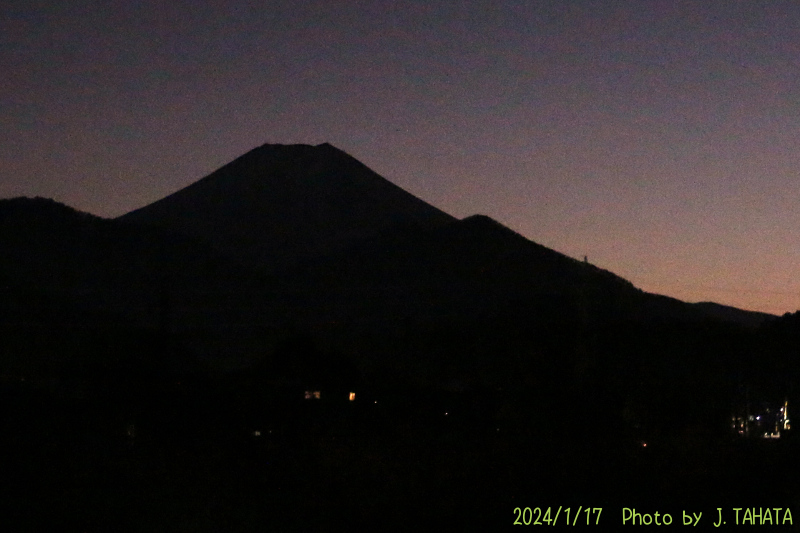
(280, 203)
(356, 246)
(211, 323)
(50, 247)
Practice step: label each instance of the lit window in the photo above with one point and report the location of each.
(352, 396)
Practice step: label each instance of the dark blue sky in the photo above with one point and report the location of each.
(658, 138)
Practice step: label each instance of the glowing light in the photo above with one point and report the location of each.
(352, 396)
(644, 444)
(256, 433)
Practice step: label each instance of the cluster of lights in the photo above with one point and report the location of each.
(780, 418)
(316, 395)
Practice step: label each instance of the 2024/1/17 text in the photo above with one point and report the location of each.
(525, 517)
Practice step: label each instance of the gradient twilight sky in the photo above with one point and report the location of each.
(659, 138)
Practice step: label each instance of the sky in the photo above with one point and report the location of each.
(658, 138)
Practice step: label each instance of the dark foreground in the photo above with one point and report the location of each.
(203, 462)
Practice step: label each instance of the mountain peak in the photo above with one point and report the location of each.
(278, 203)
(297, 147)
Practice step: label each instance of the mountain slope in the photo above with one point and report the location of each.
(114, 268)
(477, 268)
(279, 203)
(733, 314)
(348, 243)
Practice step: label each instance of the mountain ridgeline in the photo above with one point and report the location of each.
(296, 269)
(277, 204)
(316, 217)
(302, 238)
(307, 239)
